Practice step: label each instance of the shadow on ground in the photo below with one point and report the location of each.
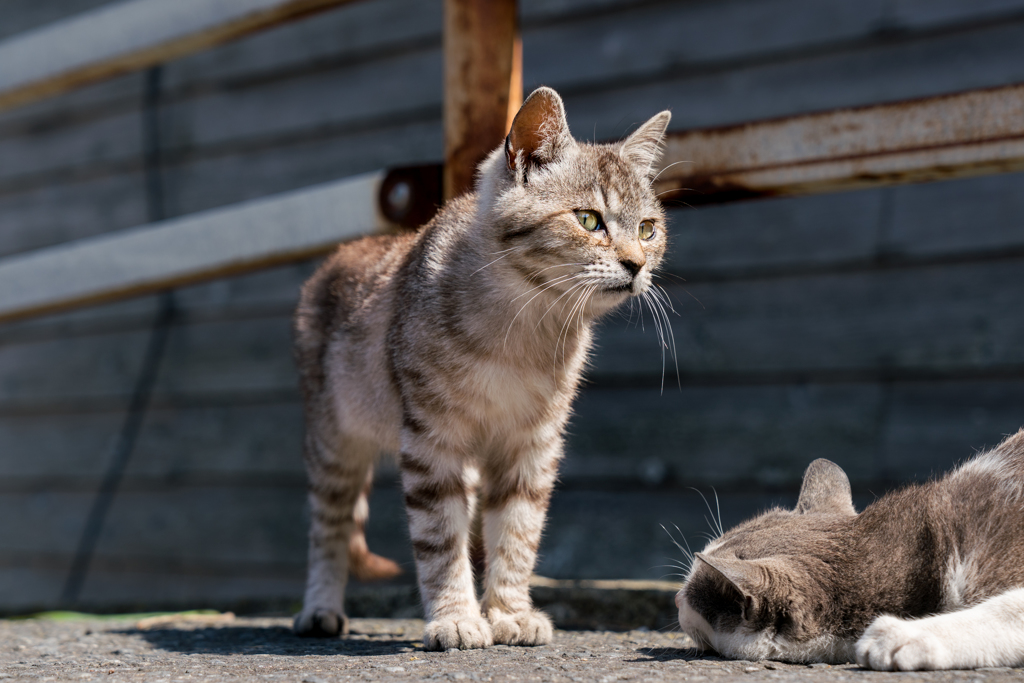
(273, 640)
(670, 654)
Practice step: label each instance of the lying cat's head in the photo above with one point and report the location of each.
(766, 589)
(573, 214)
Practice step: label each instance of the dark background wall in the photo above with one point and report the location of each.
(881, 329)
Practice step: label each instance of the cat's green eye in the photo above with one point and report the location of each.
(590, 220)
(646, 230)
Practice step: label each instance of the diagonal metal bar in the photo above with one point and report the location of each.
(202, 246)
(128, 36)
(937, 138)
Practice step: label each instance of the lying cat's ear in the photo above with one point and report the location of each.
(643, 147)
(748, 578)
(825, 489)
(539, 134)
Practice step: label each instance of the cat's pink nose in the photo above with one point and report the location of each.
(679, 599)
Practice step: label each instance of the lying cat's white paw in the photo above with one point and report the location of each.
(464, 633)
(320, 623)
(893, 644)
(532, 627)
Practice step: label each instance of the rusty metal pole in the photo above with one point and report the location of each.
(483, 84)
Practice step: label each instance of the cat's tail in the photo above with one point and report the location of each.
(364, 565)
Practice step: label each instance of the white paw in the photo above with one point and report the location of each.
(521, 628)
(318, 622)
(892, 644)
(465, 633)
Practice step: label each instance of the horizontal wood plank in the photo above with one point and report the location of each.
(244, 442)
(271, 292)
(128, 36)
(404, 87)
(873, 72)
(756, 437)
(204, 182)
(953, 320)
(940, 320)
(194, 444)
(229, 357)
(732, 437)
(53, 214)
(121, 316)
(249, 236)
(198, 537)
(97, 370)
(18, 16)
(961, 220)
(71, 148)
(31, 588)
(42, 450)
(580, 48)
(215, 524)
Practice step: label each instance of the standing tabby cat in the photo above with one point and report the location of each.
(460, 348)
(928, 577)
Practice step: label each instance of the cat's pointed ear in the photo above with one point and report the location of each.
(643, 147)
(826, 488)
(539, 134)
(747, 577)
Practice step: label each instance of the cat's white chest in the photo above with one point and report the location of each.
(509, 395)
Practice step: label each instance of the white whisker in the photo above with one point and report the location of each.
(574, 287)
(717, 528)
(566, 326)
(676, 163)
(551, 284)
(489, 264)
(659, 297)
(556, 280)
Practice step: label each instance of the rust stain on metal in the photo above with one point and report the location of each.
(948, 136)
(482, 82)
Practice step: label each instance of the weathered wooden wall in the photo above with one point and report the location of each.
(881, 329)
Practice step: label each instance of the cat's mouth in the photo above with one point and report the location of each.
(620, 289)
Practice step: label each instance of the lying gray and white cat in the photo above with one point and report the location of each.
(927, 577)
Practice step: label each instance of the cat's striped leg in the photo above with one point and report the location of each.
(514, 505)
(338, 468)
(439, 498)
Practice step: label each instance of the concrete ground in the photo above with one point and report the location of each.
(222, 648)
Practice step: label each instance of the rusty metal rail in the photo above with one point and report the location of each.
(937, 138)
(483, 84)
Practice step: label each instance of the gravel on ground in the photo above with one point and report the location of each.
(222, 648)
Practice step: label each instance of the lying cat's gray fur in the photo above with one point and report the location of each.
(927, 577)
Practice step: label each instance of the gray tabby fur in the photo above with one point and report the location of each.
(460, 348)
(928, 577)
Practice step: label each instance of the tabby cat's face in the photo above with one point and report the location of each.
(576, 217)
(594, 225)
